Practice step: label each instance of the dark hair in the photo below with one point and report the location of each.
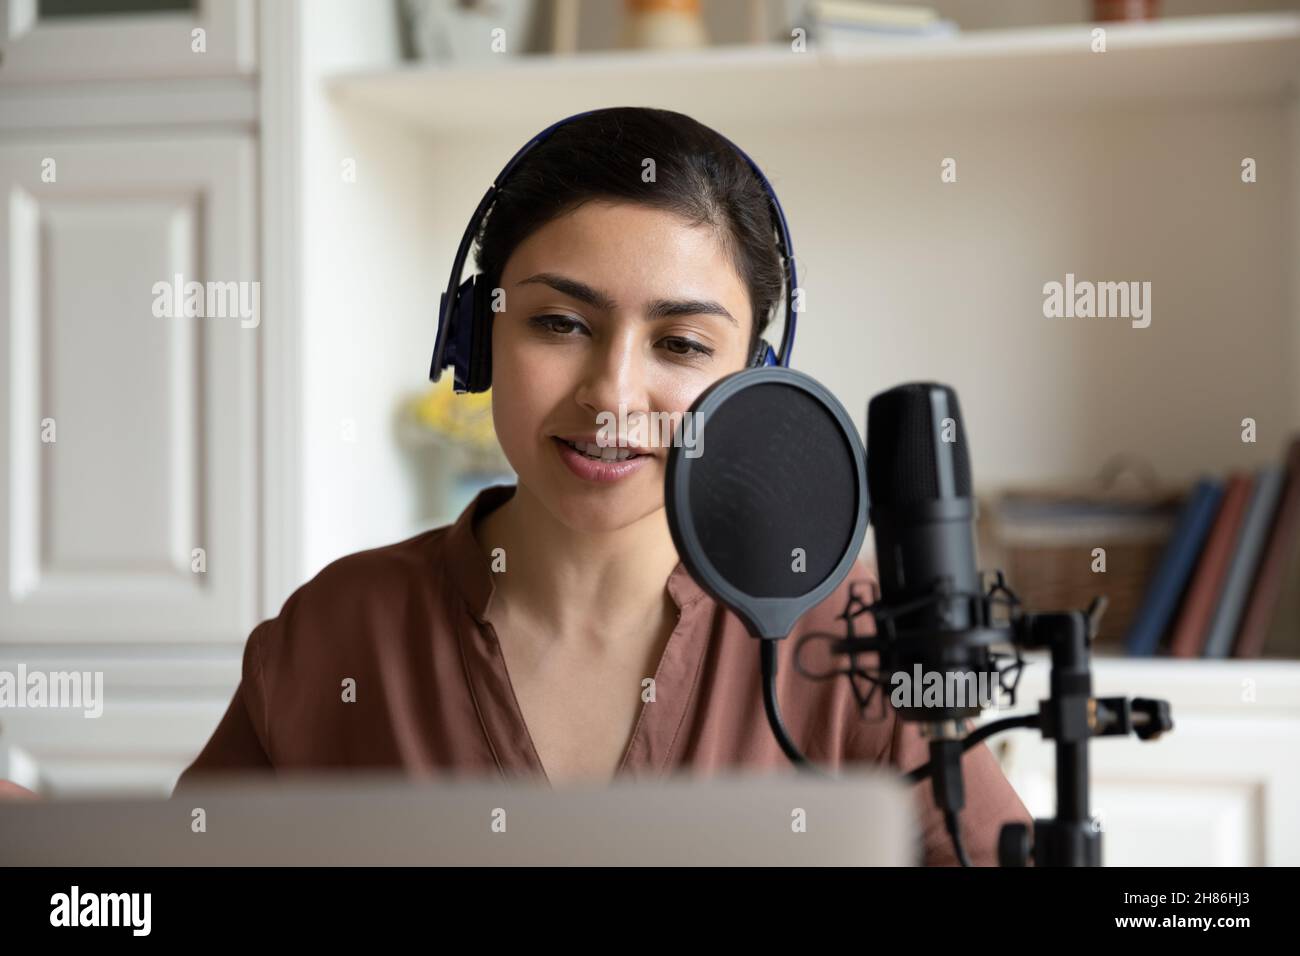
(698, 175)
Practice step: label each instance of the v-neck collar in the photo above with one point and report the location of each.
(650, 748)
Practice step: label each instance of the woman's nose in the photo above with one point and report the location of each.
(613, 377)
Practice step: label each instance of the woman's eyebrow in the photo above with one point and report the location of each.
(574, 290)
(659, 309)
(667, 308)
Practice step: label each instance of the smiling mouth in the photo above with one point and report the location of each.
(597, 453)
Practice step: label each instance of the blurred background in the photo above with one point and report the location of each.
(169, 479)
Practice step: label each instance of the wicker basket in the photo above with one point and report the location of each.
(1043, 539)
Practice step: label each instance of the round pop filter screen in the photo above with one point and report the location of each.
(768, 512)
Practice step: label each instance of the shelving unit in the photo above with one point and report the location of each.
(1247, 57)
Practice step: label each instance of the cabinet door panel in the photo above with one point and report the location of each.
(1218, 790)
(129, 493)
(202, 38)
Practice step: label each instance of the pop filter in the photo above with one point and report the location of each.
(770, 511)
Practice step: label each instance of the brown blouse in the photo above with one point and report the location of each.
(407, 622)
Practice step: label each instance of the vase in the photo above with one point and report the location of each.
(663, 25)
(463, 30)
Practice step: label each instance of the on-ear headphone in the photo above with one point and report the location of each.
(464, 339)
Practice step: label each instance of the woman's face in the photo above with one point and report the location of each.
(611, 305)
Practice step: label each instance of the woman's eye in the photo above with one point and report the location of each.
(565, 326)
(559, 324)
(680, 346)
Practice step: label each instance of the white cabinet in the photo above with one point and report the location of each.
(129, 159)
(202, 38)
(1220, 790)
(129, 438)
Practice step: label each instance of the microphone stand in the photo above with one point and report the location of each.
(1070, 716)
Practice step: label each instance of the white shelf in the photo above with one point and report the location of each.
(1214, 59)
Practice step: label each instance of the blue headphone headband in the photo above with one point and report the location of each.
(464, 340)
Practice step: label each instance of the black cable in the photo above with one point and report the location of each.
(767, 652)
(985, 731)
(975, 736)
(949, 789)
(954, 831)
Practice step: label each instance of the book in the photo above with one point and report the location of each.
(1275, 564)
(836, 37)
(1245, 557)
(1188, 637)
(871, 14)
(1158, 605)
(847, 25)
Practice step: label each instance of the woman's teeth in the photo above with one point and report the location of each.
(601, 454)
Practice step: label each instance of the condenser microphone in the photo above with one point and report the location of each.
(922, 514)
(932, 613)
(918, 471)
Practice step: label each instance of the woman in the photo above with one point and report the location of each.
(551, 631)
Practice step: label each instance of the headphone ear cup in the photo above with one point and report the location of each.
(440, 343)
(763, 355)
(460, 345)
(480, 379)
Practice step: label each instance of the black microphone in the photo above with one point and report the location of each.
(932, 613)
(922, 516)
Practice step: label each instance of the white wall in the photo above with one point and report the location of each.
(912, 279)
(369, 305)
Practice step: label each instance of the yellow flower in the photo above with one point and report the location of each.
(464, 419)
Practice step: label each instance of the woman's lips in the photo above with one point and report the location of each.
(590, 469)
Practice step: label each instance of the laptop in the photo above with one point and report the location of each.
(865, 817)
